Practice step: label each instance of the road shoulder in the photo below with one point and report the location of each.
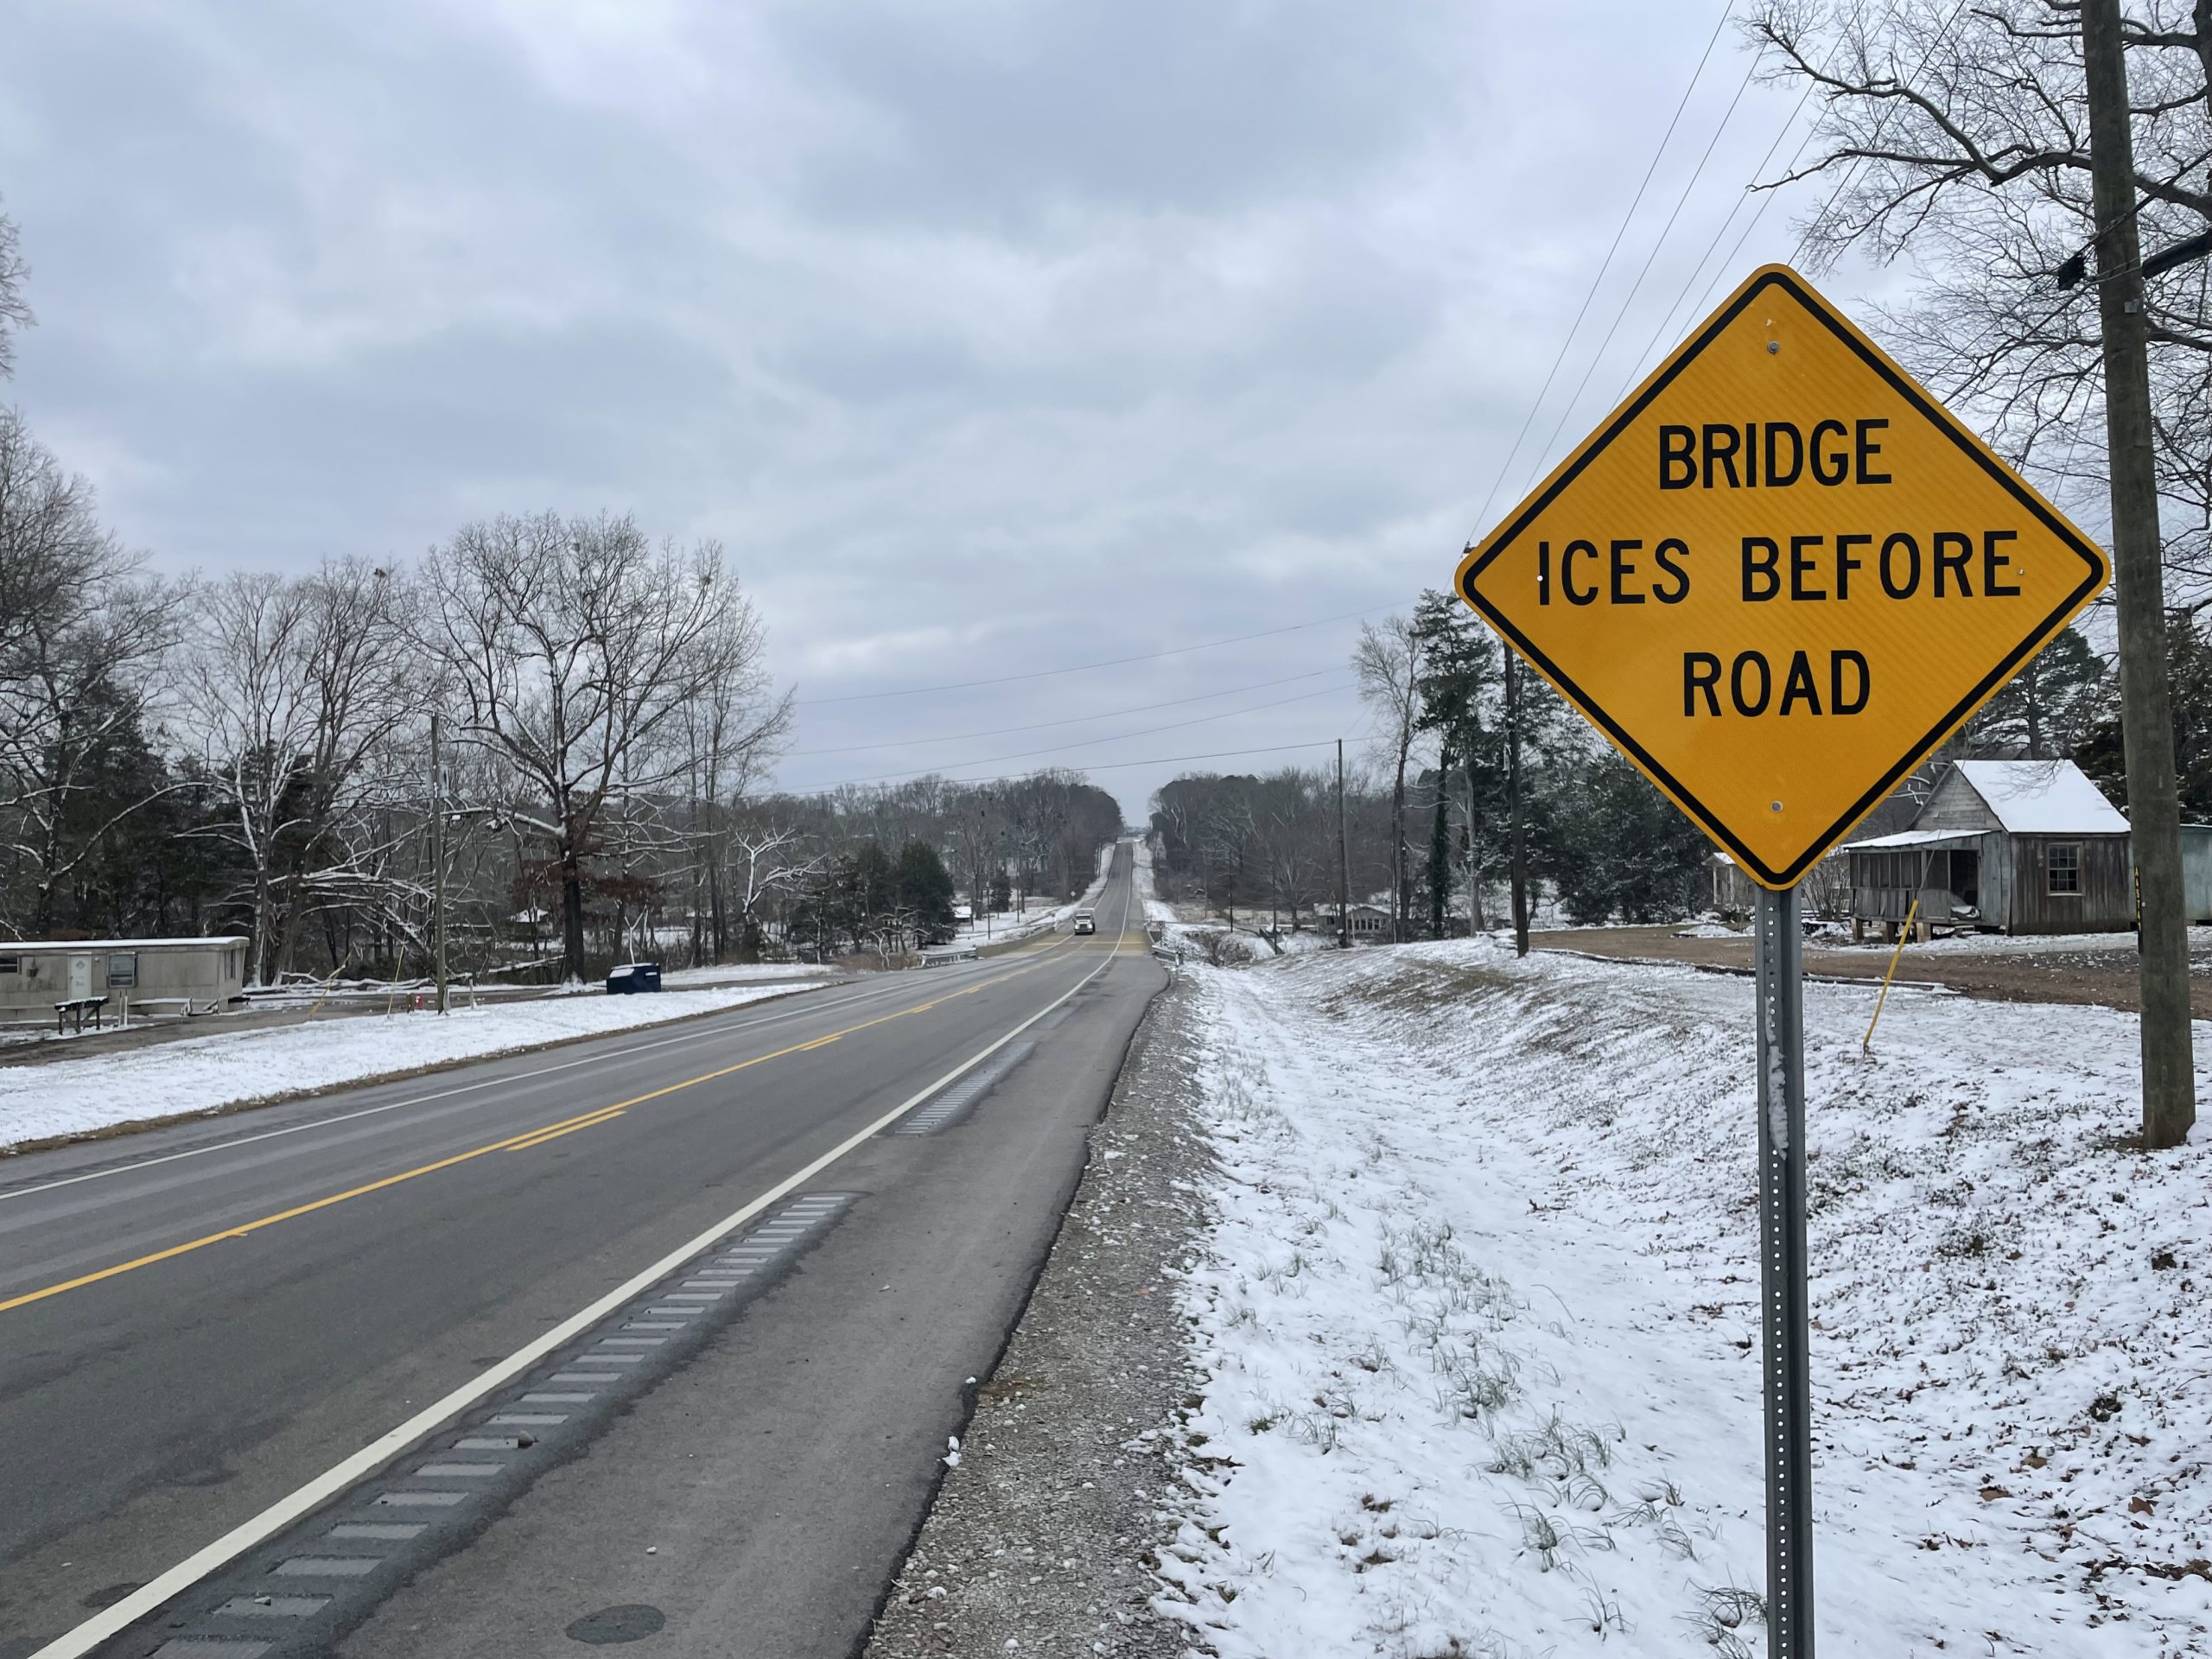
(1041, 1535)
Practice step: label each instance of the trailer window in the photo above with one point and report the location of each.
(2064, 867)
(122, 970)
(11, 964)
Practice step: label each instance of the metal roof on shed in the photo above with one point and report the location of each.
(1911, 838)
(2044, 798)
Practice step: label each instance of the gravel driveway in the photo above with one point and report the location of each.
(2098, 967)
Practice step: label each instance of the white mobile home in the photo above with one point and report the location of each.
(164, 976)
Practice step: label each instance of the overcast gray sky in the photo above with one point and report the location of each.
(989, 337)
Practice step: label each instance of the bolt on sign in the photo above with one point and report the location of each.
(1780, 576)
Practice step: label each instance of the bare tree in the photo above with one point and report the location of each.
(1959, 135)
(1294, 819)
(291, 686)
(733, 731)
(982, 833)
(79, 635)
(768, 861)
(15, 312)
(572, 646)
(1388, 662)
(51, 541)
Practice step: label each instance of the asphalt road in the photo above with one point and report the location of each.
(196, 1324)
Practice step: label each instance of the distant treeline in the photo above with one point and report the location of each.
(252, 752)
(1470, 746)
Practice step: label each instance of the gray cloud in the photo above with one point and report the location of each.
(989, 337)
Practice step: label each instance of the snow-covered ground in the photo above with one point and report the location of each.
(1479, 1306)
(1155, 908)
(1204, 938)
(96, 1090)
(731, 972)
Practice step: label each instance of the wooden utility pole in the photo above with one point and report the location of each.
(1517, 848)
(2145, 697)
(1344, 860)
(438, 862)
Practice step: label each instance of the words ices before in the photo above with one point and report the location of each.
(1895, 564)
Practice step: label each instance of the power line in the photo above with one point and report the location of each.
(1081, 668)
(1636, 367)
(1506, 466)
(1071, 720)
(1629, 299)
(1765, 200)
(1088, 742)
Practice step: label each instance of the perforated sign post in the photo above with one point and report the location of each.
(1777, 578)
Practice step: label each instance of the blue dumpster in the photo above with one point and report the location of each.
(634, 976)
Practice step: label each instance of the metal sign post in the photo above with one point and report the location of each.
(1784, 1316)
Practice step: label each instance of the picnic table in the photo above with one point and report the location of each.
(79, 1006)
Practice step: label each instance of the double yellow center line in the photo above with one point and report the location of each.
(522, 1143)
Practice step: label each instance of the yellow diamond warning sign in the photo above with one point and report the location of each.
(1780, 574)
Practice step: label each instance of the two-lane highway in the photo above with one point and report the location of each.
(201, 1323)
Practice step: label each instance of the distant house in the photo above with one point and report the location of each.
(2003, 846)
(1367, 922)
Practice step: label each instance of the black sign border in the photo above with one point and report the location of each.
(1937, 416)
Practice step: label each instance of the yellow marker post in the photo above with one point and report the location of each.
(1867, 1043)
(1912, 911)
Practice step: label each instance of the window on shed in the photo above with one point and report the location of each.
(2062, 867)
(123, 969)
(11, 964)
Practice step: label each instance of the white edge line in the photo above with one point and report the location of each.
(73, 1644)
(769, 1017)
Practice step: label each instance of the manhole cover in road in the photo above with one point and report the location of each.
(632, 1622)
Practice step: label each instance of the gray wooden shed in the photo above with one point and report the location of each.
(2002, 846)
(172, 975)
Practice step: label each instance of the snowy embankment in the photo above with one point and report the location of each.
(1155, 908)
(1480, 1311)
(90, 1091)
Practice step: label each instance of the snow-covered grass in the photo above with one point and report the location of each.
(1155, 908)
(1710, 931)
(91, 1091)
(1479, 1306)
(1212, 938)
(734, 972)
